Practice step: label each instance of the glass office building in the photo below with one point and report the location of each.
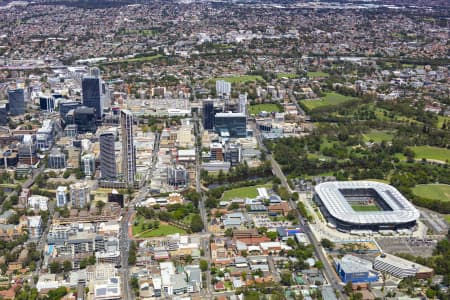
(16, 101)
(231, 124)
(92, 94)
(208, 114)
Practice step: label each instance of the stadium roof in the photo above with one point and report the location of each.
(336, 204)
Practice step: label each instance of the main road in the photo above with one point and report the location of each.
(125, 224)
(329, 272)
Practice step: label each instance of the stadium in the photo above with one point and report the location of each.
(365, 205)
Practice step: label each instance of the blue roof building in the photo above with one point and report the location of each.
(355, 269)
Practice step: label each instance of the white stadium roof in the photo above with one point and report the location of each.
(339, 208)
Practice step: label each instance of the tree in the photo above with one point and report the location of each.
(67, 266)
(326, 243)
(348, 288)
(57, 293)
(229, 232)
(319, 264)
(188, 259)
(196, 223)
(203, 265)
(66, 174)
(100, 205)
(291, 243)
(55, 267)
(286, 278)
(272, 235)
(132, 253)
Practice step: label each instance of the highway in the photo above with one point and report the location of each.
(328, 270)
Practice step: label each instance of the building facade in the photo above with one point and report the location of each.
(107, 156)
(16, 100)
(223, 88)
(80, 195)
(88, 164)
(61, 196)
(208, 114)
(128, 149)
(231, 124)
(57, 160)
(92, 94)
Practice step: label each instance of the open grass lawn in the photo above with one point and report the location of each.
(378, 136)
(287, 75)
(330, 99)
(433, 191)
(243, 192)
(441, 120)
(365, 208)
(317, 74)
(163, 230)
(137, 225)
(378, 180)
(429, 152)
(269, 107)
(447, 218)
(241, 79)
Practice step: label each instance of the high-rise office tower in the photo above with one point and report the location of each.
(47, 103)
(107, 155)
(16, 100)
(128, 150)
(93, 93)
(208, 114)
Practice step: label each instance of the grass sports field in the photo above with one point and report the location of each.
(317, 74)
(378, 136)
(269, 107)
(243, 192)
(429, 152)
(433, 191)
(365, 208)
(329, 100)
(287, 75)
(241, 79)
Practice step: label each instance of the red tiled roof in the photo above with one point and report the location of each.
(254, 241)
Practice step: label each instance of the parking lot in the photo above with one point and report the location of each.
(414, 246)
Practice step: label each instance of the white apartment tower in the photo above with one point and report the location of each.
(128, 150)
